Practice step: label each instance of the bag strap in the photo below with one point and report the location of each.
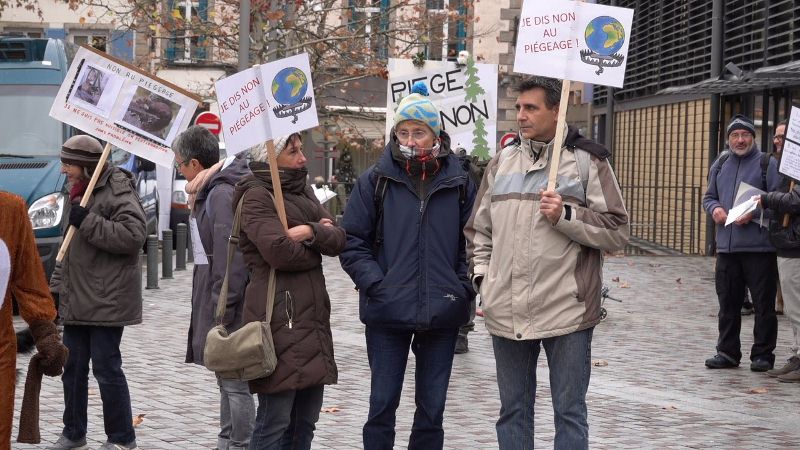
(233, 242)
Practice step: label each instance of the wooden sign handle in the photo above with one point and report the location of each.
(276, 184)
(786, 216)
(555, 158)
(84, 201)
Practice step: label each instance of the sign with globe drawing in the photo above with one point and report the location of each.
(291, 94)
(573, 40)
(265, 102)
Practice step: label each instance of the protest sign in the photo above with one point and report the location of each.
(465, 95)
(575, 41)
(290, 92)
(243, 107)
(790, 157)
(123, 105)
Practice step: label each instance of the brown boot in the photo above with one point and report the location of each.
(791, 377)
(791, 365)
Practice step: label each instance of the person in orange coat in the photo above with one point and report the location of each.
(27, 285)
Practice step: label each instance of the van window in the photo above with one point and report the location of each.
(24, 112)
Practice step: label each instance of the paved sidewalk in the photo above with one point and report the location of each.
(654, 391)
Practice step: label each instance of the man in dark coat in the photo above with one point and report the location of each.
(406, 254)
(211, 187)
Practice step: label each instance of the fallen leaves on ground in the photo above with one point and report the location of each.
(599, 362)
(624, 285)
(138, 419)
(669, 408)
(331, 409)
(678, 281)
(758, 390)
(615, 279)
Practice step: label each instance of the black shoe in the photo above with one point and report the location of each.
(721, 362)
(461, 345)
(747, 309)
(760, 365)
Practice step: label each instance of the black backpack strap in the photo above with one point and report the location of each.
(377, 197)
(719, 162)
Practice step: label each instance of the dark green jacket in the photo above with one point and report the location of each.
(100, 280)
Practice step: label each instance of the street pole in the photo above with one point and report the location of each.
(244, 35)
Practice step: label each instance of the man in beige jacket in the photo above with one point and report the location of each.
(536, 257)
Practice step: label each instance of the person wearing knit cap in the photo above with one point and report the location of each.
(289, 400)
(22, 277)
(745, 257)
(95, 305)
(406, 255)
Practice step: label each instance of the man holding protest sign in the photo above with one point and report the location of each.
(99, 283)
(536, 257)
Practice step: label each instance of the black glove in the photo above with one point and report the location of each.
(76, 215)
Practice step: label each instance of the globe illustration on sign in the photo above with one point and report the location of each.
(289, 86)
(604, 35)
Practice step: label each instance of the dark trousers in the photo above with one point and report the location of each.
(734, 273)
(101, 346)
(387, 351)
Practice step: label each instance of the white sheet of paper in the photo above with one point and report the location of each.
(738, 211)
(323, 194)
(197, 245)
(5, 271)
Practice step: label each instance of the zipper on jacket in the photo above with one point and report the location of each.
(289, 309)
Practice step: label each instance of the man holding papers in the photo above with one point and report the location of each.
(745, 257)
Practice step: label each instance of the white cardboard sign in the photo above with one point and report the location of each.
(573, 40)
(790, 156)
(243, 107)
(290, 92)
(465, 95)
(123, 105)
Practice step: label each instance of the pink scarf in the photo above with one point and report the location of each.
(200, 180)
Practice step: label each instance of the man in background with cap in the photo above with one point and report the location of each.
(99, 283)
(406, 254)
(745, 257)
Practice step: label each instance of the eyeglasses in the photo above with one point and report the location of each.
(737, 136)
(418, 135)
(779, 137)
(178, 164)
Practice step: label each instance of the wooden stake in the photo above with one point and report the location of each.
(84, 201)
(276, 184)
(786, 216)
(555, 159)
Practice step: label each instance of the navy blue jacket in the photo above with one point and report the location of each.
(722, 185)
(417, 278)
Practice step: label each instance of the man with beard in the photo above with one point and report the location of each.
(745, 257)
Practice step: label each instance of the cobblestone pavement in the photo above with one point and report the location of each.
(649, 389)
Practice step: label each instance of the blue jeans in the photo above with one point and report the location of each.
(569, 358)
(101, 346)
(287, 420)
(388, 355)
(237, 413)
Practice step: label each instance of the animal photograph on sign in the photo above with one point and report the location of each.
(150, 114)
(96, 89)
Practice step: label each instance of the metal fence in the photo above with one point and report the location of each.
(666, 220)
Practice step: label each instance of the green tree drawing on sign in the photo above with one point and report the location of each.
(480, 147)
(472, 86)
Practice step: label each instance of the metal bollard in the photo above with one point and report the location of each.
(180, 254)
(166, 254)
(190, 247)
(152, 262)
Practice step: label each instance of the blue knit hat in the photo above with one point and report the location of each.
(416, 106)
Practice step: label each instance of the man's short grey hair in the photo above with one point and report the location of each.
(550, 86)
(197, 143)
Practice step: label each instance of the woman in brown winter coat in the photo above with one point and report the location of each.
(289, 400)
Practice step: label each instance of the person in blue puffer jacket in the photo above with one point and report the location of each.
(406, 254)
